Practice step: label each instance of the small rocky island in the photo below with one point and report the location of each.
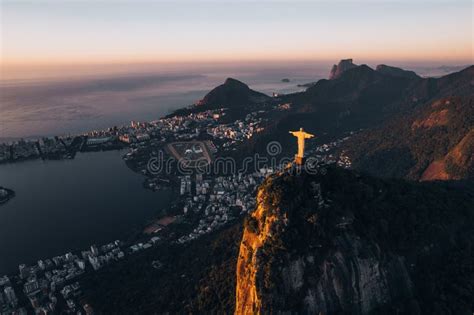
(285, 80)
(6, 194)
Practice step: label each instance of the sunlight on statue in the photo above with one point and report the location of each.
(302, 136)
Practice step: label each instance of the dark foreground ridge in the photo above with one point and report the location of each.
(345, 243)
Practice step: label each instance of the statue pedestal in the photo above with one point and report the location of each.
(299, 160)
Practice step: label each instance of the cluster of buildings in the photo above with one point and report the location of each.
(47, 147)
(5, 152)
(239, 130)
(24, 150)
(52, 282)
(220, 200)
(189, 126)
(19, 150)
(52, 285)
(8, 297)
(344, 160)
(185, 127)
(325, 153)
(53, 146)
(135, 248)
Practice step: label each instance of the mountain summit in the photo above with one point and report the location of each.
(337, 70)
(233, 93)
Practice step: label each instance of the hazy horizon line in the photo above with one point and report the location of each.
(56, 70)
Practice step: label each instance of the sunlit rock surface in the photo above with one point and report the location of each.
(341, 243)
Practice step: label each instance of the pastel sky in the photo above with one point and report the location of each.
(55, 32)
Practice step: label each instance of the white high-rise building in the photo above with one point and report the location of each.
(10, 296)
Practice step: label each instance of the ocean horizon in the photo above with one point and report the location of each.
(49, 106)
(79, 100)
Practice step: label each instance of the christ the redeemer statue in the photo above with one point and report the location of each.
(302, 136)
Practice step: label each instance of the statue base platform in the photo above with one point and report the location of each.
(299, 160)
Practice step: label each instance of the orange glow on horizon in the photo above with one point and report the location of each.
(455, 53)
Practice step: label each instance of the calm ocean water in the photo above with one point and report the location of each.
(61, 106)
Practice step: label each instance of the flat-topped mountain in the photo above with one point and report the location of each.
(233, 93)
(342, 66)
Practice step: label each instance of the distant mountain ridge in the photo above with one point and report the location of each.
(397, 72)
(347, 64)
(431, 140)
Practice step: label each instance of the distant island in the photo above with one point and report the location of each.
(286, 80)
(6, 194)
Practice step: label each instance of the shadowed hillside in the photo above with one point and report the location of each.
(431, 141)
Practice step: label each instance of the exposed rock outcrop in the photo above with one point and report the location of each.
(327, 244)
(337, 70)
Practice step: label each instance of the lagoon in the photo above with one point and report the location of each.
(68, 205)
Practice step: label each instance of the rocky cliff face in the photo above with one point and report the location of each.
(326, 244)
(343, 65)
